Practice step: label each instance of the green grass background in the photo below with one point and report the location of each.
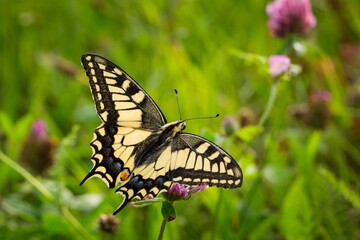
(300, 182)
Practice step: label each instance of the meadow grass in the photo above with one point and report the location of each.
(301, 163)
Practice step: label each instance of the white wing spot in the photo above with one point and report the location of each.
(142, 192)
(214, 155)
(97, 87)
(114, 89)
(222, 167)
(118, 71)
(99, 157)
(100, 131)
(215, 168)
(227, 159)
(206, 165)
(120, 97)
(108, 176)
(176, 179)
(191, 160)
(138, 97)
(126, 85)
(97, 144)
(130, 192)
(202, 148)
(109, 74)
(101, 66)
(101, 169)
(102, 106)
(110, 81)
(199, 163)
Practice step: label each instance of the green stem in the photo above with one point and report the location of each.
(162, 229)
(286, 48)
(269, 105)
(216, 213)
(257, 181)
(76, 224)
(30, 178)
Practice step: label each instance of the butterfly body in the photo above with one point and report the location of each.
(136, 148)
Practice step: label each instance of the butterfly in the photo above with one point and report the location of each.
(138, 150)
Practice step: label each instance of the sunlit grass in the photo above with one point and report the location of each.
(300, 175)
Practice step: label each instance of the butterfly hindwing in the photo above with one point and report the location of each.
(187, 159)
(196, 160)
(113, 152)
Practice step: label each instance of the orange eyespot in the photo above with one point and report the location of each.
(124, 175)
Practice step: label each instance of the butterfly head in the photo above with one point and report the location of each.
(179, 126)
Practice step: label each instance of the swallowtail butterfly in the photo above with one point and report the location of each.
(138, 150)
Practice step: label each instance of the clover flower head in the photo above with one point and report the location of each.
(39, 130)
(278, 65)
(290, 17)
(182, 192)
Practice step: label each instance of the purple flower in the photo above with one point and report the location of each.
(182, 192)
(278, 65)
(198, 188)
(39, 130)
(37, 152)
(290, 17)
(319, 96)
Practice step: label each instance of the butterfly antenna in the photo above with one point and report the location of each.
(177, 100)
(202, 117)
(178, 105)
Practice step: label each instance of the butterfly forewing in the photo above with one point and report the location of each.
(123, 106)
(119, 99)
(135, 148)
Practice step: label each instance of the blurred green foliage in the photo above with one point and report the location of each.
(301, 169)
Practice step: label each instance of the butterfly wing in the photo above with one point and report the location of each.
(187, 159)
(119, 99)
(196, 160)
(129, 116)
